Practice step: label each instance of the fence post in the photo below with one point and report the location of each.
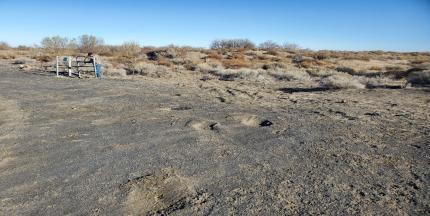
(69, 65)
(57, 66)
(95, 69)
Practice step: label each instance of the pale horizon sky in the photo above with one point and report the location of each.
(397, 25)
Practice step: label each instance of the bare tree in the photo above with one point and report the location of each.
(129, 49)
(90, 44)
(269, 45)
(291, 47)
(129, 53)
(55, 44)
(232, 44)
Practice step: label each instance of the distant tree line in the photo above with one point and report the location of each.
(247, 44)
(93, 44)
(84, 43)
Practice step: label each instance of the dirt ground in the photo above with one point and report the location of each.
(208, 147)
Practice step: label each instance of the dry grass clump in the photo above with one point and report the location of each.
(235, 63)
(382, 82)
(313, 63)
(214, 55)
(242, 73)
(321, 72)
(324, 54)
(394, 68)
(347, 70)
(375, 68)
(235, 60)
(209, 67)
(289, 75)
(117, 72)
(114, 70)
(147, 69)
(342, 81)
(272, 66)
(7, 55)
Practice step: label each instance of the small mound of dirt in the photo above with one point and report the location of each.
(202, 125)
(250, 120)
(160, 193)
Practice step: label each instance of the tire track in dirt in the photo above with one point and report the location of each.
(11, 122)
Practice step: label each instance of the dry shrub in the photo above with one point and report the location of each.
(108, 50)
(321, 55)
(272, 66)
(178, 52)
(393, 68)
(4, 45)
(179, 61)
(235, 63)
(342, 81)
(375, 68)
(346, 70)
(419, 78)
(272, 52)
(291, 47)
(356, 56)
(269, 45)
(263, 57)
(195, 56)
(214, 55)
(117, 72)
(164, 62)
(172, 52)
(44, 58)
(309, 63)
(114, 70)
(146, 69)
(232, 44)
(90, 44)
(242, 73)
(317, 72)
(129, 49)
(208, 68)
(378, 82)
(281, 74)
(189, 65)
(7, 55)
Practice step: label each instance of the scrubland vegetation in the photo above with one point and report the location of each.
(238, 59)
(234, 129)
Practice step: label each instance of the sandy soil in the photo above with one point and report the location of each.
(183, 146)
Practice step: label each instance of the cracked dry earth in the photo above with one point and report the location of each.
(171, 146)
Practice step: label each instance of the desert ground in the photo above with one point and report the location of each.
(218, 133)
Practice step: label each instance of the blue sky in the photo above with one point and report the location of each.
(397, 25)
